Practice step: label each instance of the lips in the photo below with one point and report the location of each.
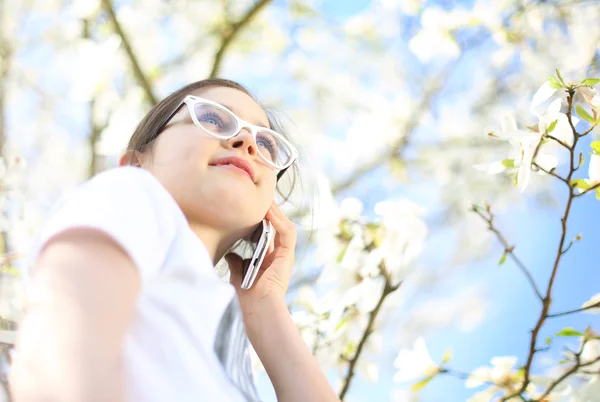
(236, 162)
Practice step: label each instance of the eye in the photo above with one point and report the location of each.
(211, 118)
(266, 141)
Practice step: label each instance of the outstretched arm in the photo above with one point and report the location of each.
(70, 343)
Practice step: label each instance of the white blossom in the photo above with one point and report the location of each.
(414, 363)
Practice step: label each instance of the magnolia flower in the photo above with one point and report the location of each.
(594, 300)
(594, 169)
(405, 234)
(591, 96)
(501, 374)
(414, 363)
(524, 144)
(562, 130)
(590, 352)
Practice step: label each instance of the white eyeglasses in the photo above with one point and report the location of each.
(218, 121)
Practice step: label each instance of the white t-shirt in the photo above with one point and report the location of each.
(187, 341)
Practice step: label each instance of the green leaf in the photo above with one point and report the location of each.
(598, 193)
(552, 126)
(588, 82)
(580, 184)
(340, 324)
(299, 9)
(595, 146)
(555, 84)
(502, 259)
(421, 384)
(562, 361)
(568, 331)
(10, 270)
(548, 340)
(584, 115)
(508, 163)
(342, 253)
(447, 356)
(560, 78)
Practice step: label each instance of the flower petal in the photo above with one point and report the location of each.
(554, 107)
(594, 169)
(543, 93)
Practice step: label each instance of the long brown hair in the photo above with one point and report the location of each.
(147, 130)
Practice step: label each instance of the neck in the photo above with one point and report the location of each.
(216, 241)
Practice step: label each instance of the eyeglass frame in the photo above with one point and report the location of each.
(239, 121)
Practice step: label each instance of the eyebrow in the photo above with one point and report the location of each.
(234, 111)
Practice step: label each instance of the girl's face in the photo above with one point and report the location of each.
(184, 159)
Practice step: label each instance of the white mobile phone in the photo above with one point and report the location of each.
(263, 240)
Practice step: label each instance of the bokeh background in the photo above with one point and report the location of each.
(390, 102)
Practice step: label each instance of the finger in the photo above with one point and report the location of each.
(272, 243)
(285, 229)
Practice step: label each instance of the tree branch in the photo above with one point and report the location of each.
(508, 249)
(568, 373)
(547, 300)
(232, 31)
(137, 70)
(388, 289)
(577, 310)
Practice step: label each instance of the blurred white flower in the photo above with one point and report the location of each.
(501, 372)
(594, 169)
(410, 7)
(593, 300)
(541, 95)
(83, 8)
(591, 96)
(502, 375)
(562, 130)
(368, 370)
(351, 208)
(405, 234)
(414, 363)
(436, 38)
(589, 391)
(590, 352)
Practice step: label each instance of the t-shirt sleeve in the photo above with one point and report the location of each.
(127, 204)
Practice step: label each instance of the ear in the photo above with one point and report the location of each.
(130, 157)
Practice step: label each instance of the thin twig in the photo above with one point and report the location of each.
(387, 290)
(509, 250)
(577, 310)
(231, 31)
(587, 190)
(560, 142)
(589, 130)
(137, 70)
(551, 173)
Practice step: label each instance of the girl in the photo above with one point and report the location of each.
(125, 303)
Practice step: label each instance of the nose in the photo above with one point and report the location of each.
(244, 141)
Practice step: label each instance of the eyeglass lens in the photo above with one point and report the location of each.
(222, 123)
